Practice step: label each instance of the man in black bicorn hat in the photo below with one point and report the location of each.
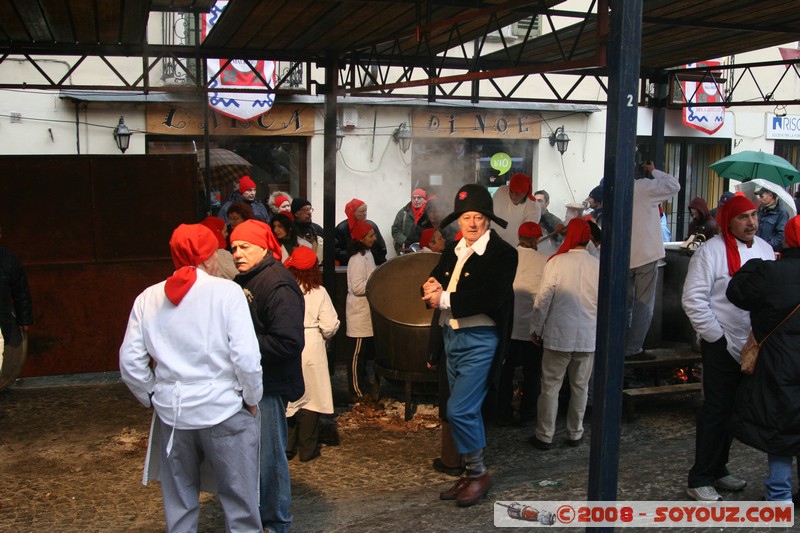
(472, 286)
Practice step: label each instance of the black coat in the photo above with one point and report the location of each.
(486, 286)
(277, 308)
(342, 235)
(767, 409)
(15, 298)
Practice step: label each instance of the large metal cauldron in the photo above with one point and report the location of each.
(400, 320)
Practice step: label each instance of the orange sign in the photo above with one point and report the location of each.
(187, 119)
(477, 124)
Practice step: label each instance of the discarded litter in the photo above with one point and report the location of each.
(549, 483)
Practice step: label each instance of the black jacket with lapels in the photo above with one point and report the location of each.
(485, 286)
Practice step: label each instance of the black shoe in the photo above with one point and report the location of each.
(311, 457)
(641, 356)
(540, 444)
(574, 443)
(454, 471)
(290, 455)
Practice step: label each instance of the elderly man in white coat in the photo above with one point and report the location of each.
(205, 384)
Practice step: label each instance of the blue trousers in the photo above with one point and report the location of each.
(779, 482)
(469, 358)
(275, 496)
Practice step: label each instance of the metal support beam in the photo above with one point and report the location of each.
(331, 90)
(624, 52)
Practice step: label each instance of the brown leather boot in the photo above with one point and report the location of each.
(476, 489)
(453, 492)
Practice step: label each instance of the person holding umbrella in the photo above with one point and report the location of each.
(772, 218)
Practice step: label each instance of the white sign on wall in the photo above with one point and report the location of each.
(787, 127)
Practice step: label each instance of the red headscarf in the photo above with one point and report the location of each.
(279, 201)
(258, 233)
(301, 258)
(350, 209)
(418, 212)
(425, 237)
(520, 183)
(359, 230)
(731, 209)
(578, 232)
(791, 233)
(529, 230)
(216, 225)
(191, 244)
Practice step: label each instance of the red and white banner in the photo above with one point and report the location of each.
(707, 119)
(238, 74)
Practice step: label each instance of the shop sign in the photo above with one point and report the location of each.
(238, 74)
(707, 119)
(184, 119)
(786, 127)
(477, 124)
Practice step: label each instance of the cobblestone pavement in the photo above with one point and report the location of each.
(71, 459)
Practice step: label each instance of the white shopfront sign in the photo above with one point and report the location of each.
(781, 128)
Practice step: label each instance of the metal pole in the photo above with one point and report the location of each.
(329, 174)
(623, 65)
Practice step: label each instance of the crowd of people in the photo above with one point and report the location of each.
(230, 351)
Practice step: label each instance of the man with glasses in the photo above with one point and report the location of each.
(308, 230)
(412, 214)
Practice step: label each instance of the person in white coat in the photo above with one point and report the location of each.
(722, 329)
(357, 313)
(515, 204)
(205, 384)
(321, 324)
(647, 248)
(565, 324)
(521, 351)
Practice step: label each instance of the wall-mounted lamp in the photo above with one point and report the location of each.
(402, 136)
(122, 135)
(339, 137)
(560, 139)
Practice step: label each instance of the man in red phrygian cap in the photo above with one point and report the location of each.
(204, 387)
(723, 329)
(515, 204)
(246, 192)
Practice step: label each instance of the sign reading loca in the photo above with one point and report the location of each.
(188, 120)
(482, 124)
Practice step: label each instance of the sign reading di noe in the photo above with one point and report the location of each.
(779, 128)
(172, 119)
(477, 123)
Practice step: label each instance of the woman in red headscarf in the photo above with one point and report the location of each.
(359, 322)
(767, 405)
(355, 210)
(321, 324)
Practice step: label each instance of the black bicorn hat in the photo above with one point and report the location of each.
(473, 197)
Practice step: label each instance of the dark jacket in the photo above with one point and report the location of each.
(15, 298)
(485, 286)
(342, 234)
(705, 224)
(767, 409)
(277, 308)
(771, 222)
(260, 211)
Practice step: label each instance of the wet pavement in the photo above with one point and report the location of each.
(72, 455)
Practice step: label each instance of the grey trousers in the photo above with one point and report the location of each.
(642, 284)
(555, 365)
(231, 448)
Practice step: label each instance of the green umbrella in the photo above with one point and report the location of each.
(749, 164)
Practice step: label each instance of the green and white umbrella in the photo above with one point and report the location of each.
(749, 164)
